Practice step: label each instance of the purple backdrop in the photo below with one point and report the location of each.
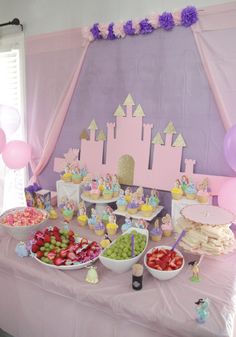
(163, 73)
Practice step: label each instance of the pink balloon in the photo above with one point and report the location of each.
(230, 147)
(16, 154)
(2, 140)
(227, 196)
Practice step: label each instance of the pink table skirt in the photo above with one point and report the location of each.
(37, 301)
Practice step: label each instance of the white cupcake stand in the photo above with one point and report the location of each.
(100, 203)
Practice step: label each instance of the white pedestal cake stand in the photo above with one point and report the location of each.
(101, 203)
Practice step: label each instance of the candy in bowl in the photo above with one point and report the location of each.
(61, 248)
(22, 222)
(125, 251)
(164, 263)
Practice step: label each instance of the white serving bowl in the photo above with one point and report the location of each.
(163, 274)
(22, 233)
(121, 266)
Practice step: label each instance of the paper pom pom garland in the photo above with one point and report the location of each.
(167, 21)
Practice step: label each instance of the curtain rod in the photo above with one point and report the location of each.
(15, 22)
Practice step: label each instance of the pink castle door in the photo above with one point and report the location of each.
(125, 169)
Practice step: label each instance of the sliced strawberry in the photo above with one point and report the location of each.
(34, 248)
(39, 254)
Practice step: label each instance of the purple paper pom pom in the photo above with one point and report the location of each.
(188, 16)
(145, 27)
(128, 28)
(111, 35)
(166, 21)
(96, 32)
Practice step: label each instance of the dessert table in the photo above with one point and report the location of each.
(38, 301)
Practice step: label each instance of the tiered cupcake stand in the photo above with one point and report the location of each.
(139, 214)
(100, 203)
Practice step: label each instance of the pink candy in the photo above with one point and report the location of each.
(27, 217)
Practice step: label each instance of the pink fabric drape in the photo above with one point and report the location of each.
(215, 37)
(53, 64)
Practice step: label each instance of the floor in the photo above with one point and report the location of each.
(4, 334)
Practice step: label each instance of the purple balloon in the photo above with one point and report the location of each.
(230, 147)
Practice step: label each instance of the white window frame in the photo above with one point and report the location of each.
(11, 178)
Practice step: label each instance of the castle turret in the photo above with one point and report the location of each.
(129, 104)
(92, 127)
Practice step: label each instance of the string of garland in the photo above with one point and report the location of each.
(167, 21)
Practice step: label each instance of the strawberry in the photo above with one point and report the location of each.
(35, 248)
(58, 261)
(47, 238)
(71, 233)
(63, 253)
(51, 255)
(39, 254)
(40, 242)
(71, 256)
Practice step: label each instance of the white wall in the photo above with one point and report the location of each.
(43, 16)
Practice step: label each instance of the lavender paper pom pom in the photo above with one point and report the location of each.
(128, 28)
(145, 27)
(111, 35)
(188, 16)
(166, 21)
(96, 32)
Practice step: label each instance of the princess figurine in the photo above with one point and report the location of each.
(92, 220)
(195, 270)
(184, 182)
(202, 309)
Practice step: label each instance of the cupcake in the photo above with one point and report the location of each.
(76, 178)
(203, 196)
(52, 214)
(82, 217)
(132, 207)
(121, 204)
(94, 194)
(82, 220)
(166, 226)
(177, 191)
(127, 225)
(86, 190)
(99, 228)
(146, 209)
(191, 191)
(156, 234)
(203, 193)
(93, 219)
(128, 194)
(111, 228)
(107, 193)
(68, 214)
(67, 177)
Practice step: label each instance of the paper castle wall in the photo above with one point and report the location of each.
(126, 152)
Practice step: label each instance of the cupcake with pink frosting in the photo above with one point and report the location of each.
(167, 227)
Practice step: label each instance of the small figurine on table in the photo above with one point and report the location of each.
(195, 270)
(202, 309)
(92, 276)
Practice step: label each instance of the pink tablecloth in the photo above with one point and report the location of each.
(36, 301)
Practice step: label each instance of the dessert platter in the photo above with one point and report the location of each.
(207, 230)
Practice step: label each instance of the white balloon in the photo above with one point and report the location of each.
(9, 119)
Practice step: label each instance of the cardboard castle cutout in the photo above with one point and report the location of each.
(128, 143)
